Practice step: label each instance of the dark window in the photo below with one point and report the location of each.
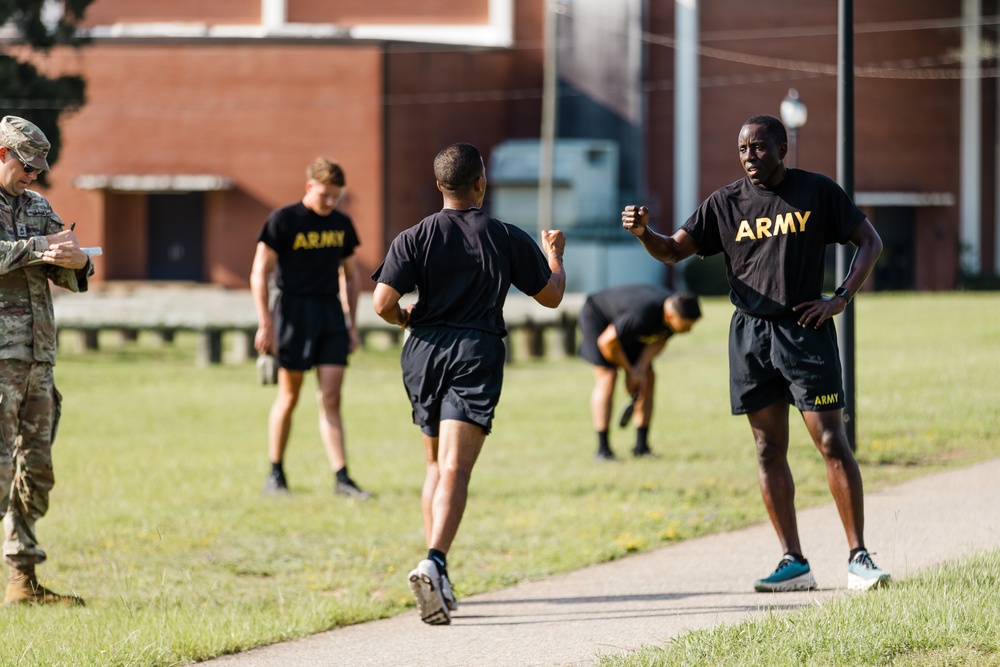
(895, 268)
(176, 236)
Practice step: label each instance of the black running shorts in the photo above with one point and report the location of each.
(311, 332)
(592, 325)
(774, 359)
(453, 374)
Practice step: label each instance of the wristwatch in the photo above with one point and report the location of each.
(844, 292)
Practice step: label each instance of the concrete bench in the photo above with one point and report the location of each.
(214, 313)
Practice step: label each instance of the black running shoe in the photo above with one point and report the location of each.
(350, 489)
(276, 484)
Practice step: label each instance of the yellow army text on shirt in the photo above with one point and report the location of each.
(27, 321)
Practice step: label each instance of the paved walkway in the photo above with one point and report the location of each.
(649, 598)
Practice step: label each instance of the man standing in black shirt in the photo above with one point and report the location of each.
(627, 327)
(462, 262)
(309, 246)
(773, 227)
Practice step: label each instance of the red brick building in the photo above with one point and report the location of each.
(202, 116)
(908, 115)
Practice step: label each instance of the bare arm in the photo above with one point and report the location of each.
(264, 261)
(553, 245)
(351, 286)
(666, 249)
(385, 300)
(868, 246)
(611, 349)
(650, 352)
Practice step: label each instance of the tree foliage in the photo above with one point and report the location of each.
(24, 90)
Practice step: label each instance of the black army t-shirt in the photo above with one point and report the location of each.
(774, 240)
(309, 248)
(462, 263)
(636, 311)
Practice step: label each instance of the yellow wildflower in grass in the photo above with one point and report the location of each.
(629, 542)
(668, 534)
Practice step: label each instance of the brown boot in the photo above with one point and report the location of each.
(23, 588)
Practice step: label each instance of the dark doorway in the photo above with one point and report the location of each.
(176, 236)
(895, 268)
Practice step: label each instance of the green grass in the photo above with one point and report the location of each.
(945, 617)
(158, 520)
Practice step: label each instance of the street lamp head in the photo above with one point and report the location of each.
(793, 111)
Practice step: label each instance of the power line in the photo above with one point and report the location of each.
(773, 32)
(771, 69)
(861, 28)
(902, 69)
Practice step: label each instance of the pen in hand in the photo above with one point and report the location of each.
(90, 252)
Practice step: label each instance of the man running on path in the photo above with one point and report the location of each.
(462, 262)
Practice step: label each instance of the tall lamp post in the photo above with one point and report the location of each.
(845, 177)
(793, 115)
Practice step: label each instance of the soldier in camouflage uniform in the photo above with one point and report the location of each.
(34, 249)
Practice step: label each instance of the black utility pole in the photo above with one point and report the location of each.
(845, 176)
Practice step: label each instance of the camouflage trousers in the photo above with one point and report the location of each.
(29, 405)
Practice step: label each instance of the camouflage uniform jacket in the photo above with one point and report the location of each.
(27, 321)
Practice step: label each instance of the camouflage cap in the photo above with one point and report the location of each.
(24, 138)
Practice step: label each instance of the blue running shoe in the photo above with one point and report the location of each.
(791, 574)
(863, 575)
